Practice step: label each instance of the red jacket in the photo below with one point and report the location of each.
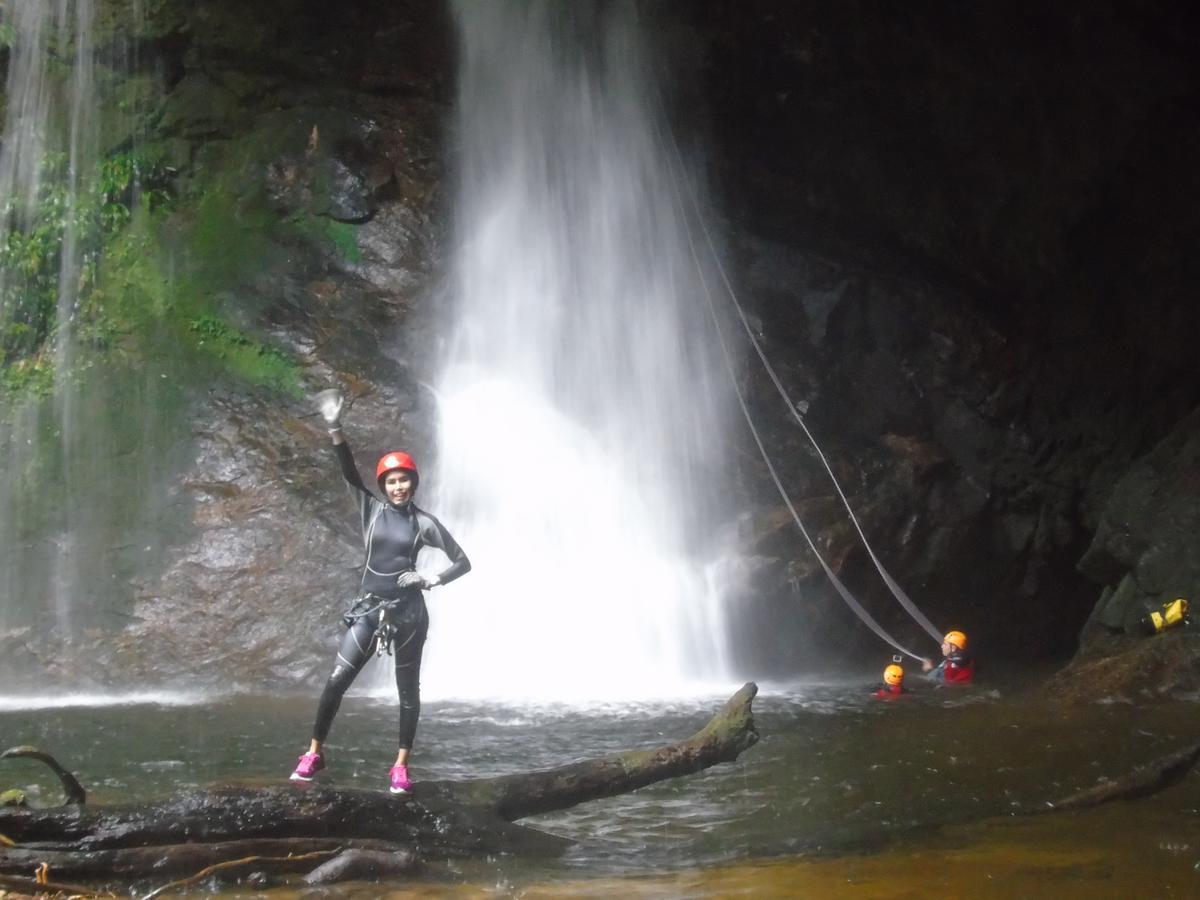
(958, 668)
(888, 691)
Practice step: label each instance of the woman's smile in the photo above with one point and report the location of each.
(398, 487)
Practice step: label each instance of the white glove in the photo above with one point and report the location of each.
(330, 404)
(415, 580)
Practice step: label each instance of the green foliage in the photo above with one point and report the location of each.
(252, 360)
(159, 276)
(327, 235)
(344, 237)
(34, 375)
(32, 245)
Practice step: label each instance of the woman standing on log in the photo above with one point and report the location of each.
(389, 612)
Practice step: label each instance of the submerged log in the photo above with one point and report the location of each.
(177, 859)
(1154, 776)
(74, 791)
(438, 820)
(359, 865)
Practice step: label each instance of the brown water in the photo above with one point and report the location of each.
(844, 796)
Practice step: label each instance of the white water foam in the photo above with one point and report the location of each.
(25, 703)
(581, 451)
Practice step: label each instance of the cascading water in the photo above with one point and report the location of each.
(46, 118)
(581, 454)
(77, 435)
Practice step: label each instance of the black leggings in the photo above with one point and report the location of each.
(410, 621)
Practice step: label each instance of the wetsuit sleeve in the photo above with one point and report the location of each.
(434, 534)
(938, 673)
(364, 498)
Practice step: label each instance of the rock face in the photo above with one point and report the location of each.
(1146, 550)
(1146, 553)
(322, 132)
(959, 234)
(963, 236)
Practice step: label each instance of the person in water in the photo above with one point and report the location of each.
(957, 665)
(389, 612)
(893, 683)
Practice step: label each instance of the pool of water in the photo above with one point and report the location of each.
(843, 794)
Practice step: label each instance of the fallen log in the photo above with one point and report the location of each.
(76, 795)
(1156, 775)
(275, 863)
(175, 859)
(438, 820)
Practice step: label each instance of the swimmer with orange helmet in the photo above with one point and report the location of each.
(893, 682)
(957, 665)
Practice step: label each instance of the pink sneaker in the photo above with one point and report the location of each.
(398, 780)
(310, 764)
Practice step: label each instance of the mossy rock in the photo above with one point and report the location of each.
(1132, 667)
(13, 797)
(200, 107)
(129, 100)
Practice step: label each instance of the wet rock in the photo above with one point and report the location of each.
(1146, 550)
(289, 183)
(363, 865)
(1035, 327)
(13, 797)
(321, 185)
(349, 194)
(199, 107)
(22, 661)
(988, 323)
(394, 249)
(920, 459)
(1132, 668)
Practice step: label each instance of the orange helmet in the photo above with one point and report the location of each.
(893, 674)
(956, 638)
(390, 462)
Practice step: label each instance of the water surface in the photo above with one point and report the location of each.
(842, 796)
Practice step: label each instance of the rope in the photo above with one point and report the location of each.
(898, 592)
(850, 600)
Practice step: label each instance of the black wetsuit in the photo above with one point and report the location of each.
(393, 536)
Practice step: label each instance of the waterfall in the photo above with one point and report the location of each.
(77, 445)
(47, 117)
(581, 456)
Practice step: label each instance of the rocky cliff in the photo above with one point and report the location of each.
(963, 233)
(963, 230)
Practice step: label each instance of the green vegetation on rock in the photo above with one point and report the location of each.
(252, 360)
(188, 274)
(32, 247)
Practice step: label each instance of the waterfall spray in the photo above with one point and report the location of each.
(582, 458)
(47, 120)
(76, 435)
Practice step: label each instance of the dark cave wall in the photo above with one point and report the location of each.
(965, 229)
(1001, 141)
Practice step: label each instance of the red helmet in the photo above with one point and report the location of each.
(390, 462)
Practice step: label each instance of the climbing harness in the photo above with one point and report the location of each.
(385, 634)
(385, 631)
(909, 606)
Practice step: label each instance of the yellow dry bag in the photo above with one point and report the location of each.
(1171, 614)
